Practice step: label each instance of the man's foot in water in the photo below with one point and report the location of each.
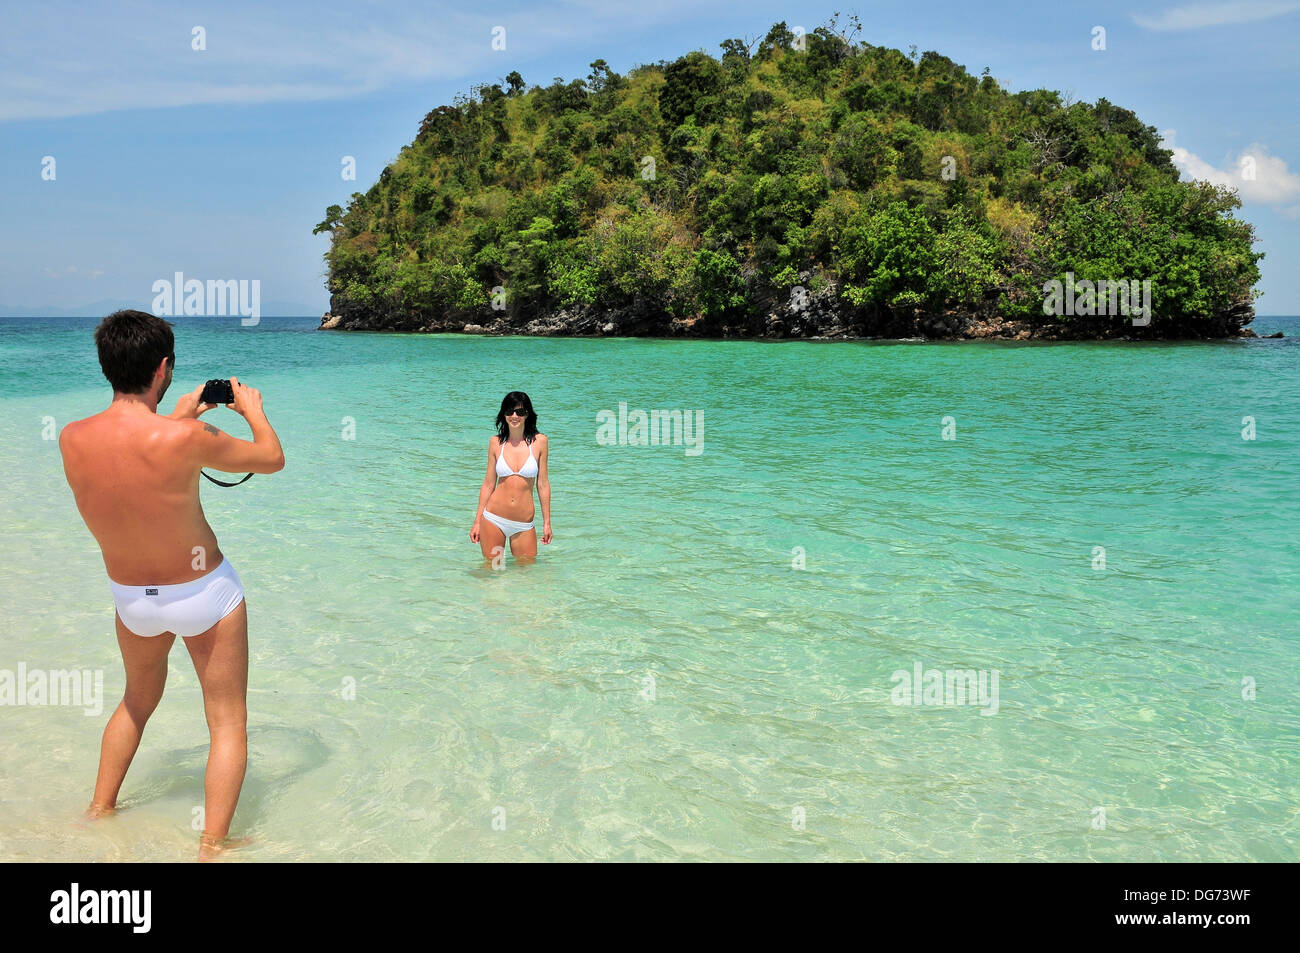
(94, 813)
(213, 848)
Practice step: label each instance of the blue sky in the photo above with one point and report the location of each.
(218, 162)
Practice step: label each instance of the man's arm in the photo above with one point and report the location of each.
(221, 451)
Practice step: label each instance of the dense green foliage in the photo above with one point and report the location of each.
(704, 189)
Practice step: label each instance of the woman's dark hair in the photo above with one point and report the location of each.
(130, 345)
(517, 398)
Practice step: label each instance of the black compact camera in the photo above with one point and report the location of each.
(218, 392)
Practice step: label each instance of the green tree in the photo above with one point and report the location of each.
(333, 217)
(719, 284)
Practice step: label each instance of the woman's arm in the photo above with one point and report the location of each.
(485, 491)
(544, 486)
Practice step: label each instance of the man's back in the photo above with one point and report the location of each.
(135, 477)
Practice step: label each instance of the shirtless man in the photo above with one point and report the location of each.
(135, 476)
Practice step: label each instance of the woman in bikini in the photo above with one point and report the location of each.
(516, 461)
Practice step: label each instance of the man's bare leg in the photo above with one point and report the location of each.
(145, 660)
(220, 658)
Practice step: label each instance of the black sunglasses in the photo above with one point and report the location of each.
(517, 412)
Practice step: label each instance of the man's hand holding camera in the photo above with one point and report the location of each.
(244, 401)
(248, 400)
(190, 406)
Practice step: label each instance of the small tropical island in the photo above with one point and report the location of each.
(808, 185)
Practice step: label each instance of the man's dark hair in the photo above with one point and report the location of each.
(130, 344)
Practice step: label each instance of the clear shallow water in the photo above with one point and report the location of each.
(524, 689)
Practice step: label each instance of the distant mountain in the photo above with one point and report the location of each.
(101, 307)
(270, 309)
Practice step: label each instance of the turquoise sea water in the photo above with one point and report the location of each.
(663, 683)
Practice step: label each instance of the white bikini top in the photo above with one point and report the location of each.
(528, 470)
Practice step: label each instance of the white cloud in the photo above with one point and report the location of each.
(1258, 177)
(57, 64)
(50, 68)
(72, 270)
(1195, 16)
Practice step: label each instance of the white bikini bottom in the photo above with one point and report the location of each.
(509, 527)
(186, 608)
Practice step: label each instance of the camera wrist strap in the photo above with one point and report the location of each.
(223, 482)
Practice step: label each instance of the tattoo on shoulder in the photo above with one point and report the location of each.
(211, 429)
